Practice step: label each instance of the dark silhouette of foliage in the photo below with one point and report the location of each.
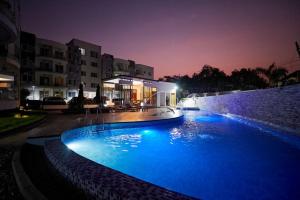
(247, 79)
(24, 93)
(80, 96)
(97, 98)
(212, 79)
(273, 74)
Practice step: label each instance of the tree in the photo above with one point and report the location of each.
(273, 74)
(24, 93)
(246, 78)
(210, 79)
(97, 98)
(80, 96)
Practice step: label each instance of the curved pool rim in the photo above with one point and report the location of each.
(100, 181)
(136, 180)
(129, 124)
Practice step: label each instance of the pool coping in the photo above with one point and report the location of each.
(130, 124)
(102, 182)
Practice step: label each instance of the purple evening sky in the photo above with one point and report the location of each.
(175, 36)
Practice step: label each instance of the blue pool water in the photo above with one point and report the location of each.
(206, 156)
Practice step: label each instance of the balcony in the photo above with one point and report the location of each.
(45, 69)
(8, 27)
(52, 85)
(52, 55)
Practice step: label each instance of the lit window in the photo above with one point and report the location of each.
(82, 51)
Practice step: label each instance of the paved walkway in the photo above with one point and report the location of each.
(56, 123)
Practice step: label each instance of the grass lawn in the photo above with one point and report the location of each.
(15, 121)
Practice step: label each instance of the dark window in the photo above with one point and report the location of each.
(83, 62)
(94, 85)
(46, 66)
(24, 77)
(120, 67)
(58, 81)
(83, 73)
(94, 75)
(27, 76)
(70, 82)
(74, 83)
(94, 54)
(46, 50)
(44, 80)
(59, 54)
(94, 64)
(59, 68)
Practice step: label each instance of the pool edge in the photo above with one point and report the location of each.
(100, 181)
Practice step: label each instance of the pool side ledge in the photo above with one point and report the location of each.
(101, 182)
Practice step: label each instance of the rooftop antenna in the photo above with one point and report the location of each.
(297, 48)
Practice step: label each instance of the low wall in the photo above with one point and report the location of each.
(279, 107)
(8, 104)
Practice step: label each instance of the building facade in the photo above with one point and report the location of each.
(113, 67)
(51, 68)
(84, 67)
(9, 54)
(44, 67)
(144, 71)
(107, 64)
(139, 91)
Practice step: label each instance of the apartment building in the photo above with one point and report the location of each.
(144, 71)
(9, 54)
(130, 82)
(107, 64)
(122, 67)
(84, 67)
(51, 68)
(113, 67)
(44, 67)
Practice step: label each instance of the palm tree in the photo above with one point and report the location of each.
(273, 74)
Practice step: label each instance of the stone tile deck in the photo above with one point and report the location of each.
(56, 123)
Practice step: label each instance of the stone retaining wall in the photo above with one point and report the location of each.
(278, 107)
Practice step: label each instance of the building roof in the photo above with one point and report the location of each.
(82, 41)
(122, 77)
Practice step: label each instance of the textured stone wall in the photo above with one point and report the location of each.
(278, 107)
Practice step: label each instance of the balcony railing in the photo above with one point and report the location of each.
(45, 69)
(49, 55)
(52, 56)
(52, 84)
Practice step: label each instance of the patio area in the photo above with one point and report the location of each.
(55, 123)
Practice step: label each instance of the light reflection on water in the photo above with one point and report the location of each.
(125, 141)
(221, 158)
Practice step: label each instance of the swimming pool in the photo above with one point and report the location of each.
(206, 156)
